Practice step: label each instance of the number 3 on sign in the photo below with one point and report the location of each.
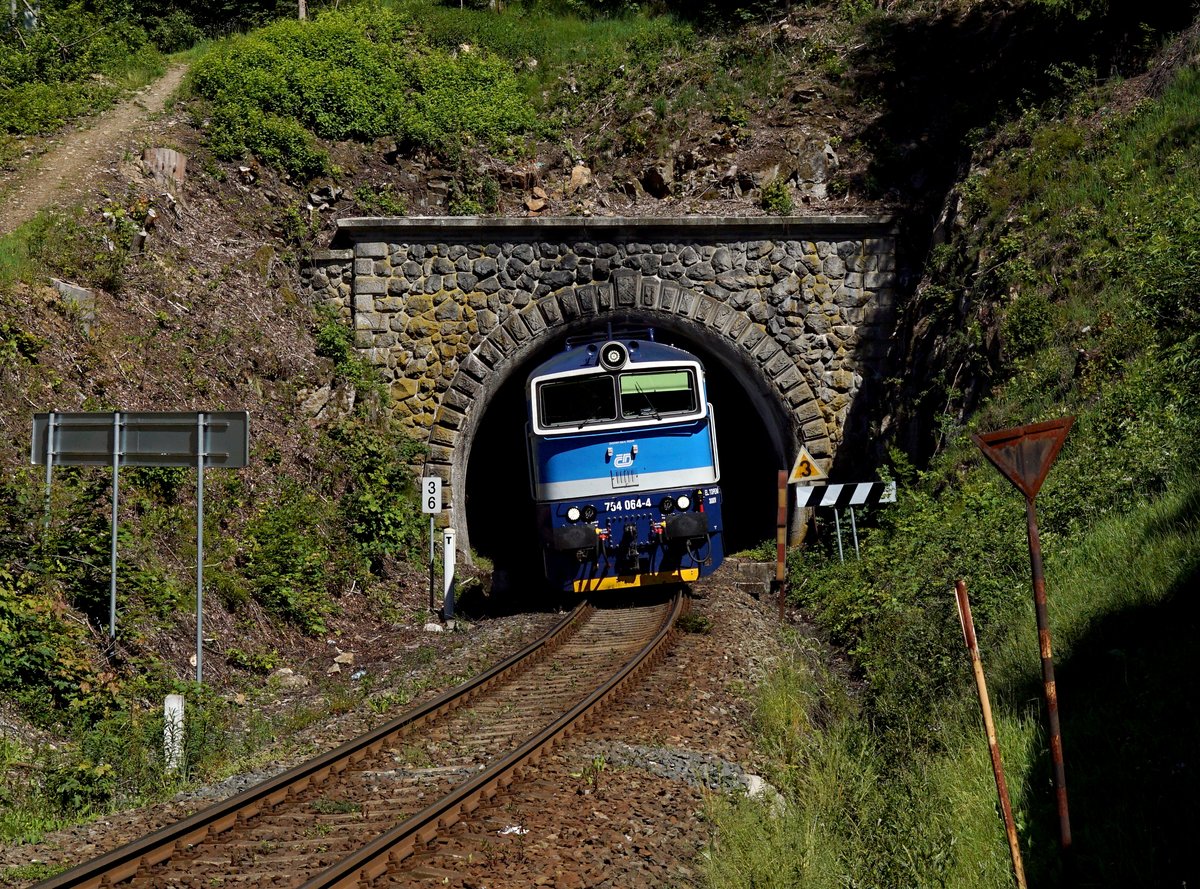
(431, 495)
(805, 469)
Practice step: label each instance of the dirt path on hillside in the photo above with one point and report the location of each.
(62, 174)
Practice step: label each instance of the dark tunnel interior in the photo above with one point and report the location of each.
(500, 512)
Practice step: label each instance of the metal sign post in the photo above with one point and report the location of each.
(148, 438)
(201, 453)
(1024, 456)
(50, 455)
(112, 564)
(431, 503)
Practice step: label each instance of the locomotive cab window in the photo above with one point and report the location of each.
(655, 393)
(577, 401)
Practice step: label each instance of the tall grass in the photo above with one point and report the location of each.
(858, 814)
(15, 263)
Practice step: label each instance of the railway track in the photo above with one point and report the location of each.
(354, 814)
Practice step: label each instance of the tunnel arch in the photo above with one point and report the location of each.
(729, 344)
(796, 311)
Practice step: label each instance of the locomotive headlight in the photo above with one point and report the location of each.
(683, 501)
(667, 506)
(573, 513)
(589, 513)
(613, 355)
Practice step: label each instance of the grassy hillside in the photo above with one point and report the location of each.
(1070, 287)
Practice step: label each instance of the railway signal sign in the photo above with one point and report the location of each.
(204, 439)
(806, 469)
(1024, 456)
(431, 504)
(838, 497)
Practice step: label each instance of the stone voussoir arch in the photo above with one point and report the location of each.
(449, 309)
(778, 379)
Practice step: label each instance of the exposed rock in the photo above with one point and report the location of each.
(81, 299)
(581, 177)
(313, 404)
(658, 179)
(286, 678)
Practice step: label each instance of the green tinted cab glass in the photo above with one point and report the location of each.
(654, 393)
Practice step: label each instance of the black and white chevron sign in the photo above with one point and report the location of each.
(842, 496)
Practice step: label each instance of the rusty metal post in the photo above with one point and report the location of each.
(1024, 456)
(781, 541)
(1010, 827)
(1051, 691)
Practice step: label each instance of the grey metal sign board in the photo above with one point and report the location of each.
(143, 438)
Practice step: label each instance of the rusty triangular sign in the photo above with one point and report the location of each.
(1025, 453)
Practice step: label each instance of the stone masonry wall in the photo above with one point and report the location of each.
(448, 307)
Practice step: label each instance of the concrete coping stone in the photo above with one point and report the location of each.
(331, 255)
(676, 228)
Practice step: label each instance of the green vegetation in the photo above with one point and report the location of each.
(90, 249)
(286, 556)
(76, 61)
(349, 75)
(777, 197)
(446, 80)
(1086, 245)
(1071, 287)
(695, 623)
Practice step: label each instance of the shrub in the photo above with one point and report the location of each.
(777, 197)
(235, 130)
(262, 662)
(47, 76)
(379, 504)
(43, 665)
(296, 558)
(349, 76)
(175, 31)
(1027, 325)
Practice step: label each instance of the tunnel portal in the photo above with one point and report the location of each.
(791, 317)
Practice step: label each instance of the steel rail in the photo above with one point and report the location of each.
(358, 870)
(138, 856)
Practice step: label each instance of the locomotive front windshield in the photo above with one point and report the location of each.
(593, 398)
(577, 400)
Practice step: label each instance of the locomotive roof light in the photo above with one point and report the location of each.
(613, 355)
(573, 513)
(683, 501)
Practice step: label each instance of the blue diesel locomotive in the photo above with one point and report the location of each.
(623, 465)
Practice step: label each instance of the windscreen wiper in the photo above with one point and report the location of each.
(642, 392)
